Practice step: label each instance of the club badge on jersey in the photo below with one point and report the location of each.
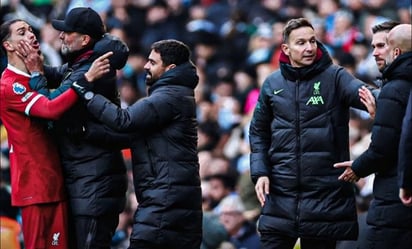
(18, 88)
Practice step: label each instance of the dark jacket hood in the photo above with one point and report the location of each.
(320, 64)
(112, 43)
(182, 75)
(400, 68)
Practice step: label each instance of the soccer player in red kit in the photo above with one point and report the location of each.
(36, 174)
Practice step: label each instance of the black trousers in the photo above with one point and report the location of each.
(280, 241)
(142, 244)
(93, 232)
(387, 238)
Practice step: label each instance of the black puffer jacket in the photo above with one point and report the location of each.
(95, 175)
(164, 155)
(298, 131)
(405, 148)
(382, 155)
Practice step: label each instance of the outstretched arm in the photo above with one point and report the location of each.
(41, 106)
(34, 63)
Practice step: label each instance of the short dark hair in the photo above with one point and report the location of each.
(172, 51)
(295, 24)
(5, 32)
(384, 26)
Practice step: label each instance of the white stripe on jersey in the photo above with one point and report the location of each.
(31, 103)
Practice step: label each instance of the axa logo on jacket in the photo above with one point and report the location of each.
(316, 98)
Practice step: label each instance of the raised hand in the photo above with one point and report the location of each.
(32, 57)
(99, 67)
(368, 100)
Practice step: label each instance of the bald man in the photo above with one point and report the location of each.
(399, 42)
(389, 221)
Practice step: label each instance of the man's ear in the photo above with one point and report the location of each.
(86, 40)
(170, 67)
(285, 48)
(397, 52)
(7, 46)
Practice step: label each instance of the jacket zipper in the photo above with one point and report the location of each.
(298, 157)
(149, 150)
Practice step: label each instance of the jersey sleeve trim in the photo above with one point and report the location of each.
(31, 103)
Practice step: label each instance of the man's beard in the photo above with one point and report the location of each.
(65, 50)
(385, 65)
(149, 79)
(70, 55)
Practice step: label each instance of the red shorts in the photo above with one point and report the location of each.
(45, 226)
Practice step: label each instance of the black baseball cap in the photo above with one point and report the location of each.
(82, 20)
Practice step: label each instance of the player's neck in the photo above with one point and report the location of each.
(17, 62)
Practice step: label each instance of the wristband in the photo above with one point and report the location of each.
(35, 74)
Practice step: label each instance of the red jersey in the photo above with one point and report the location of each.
(36, 173)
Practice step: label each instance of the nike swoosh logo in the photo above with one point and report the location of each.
(278, 91)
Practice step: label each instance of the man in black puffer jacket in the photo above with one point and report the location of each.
(164, 149)
(389, 221)
(405, 157)
(95, 174)
(298, 131)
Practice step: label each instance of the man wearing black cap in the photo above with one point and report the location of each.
(83, 21)
(95, 173)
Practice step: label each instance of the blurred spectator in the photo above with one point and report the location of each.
(214, 233)
(128, 93)
(158, 25)
(364, 69)
(134, 71)
(6, 209)
(10, 218)
(245, 82)
(208, 135)
(243, 234)
(277, 39)
(343, 33)
(220, 186)
(260, 45)
(346, 60)
(404, 9)
(386, 8)
(247, 194)
(235, 35)
(50, 45)
(100, 6)
(208, 57)
(268, 11)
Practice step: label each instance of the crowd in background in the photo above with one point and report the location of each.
(235, 45)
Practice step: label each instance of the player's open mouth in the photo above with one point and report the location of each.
(35, 44)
